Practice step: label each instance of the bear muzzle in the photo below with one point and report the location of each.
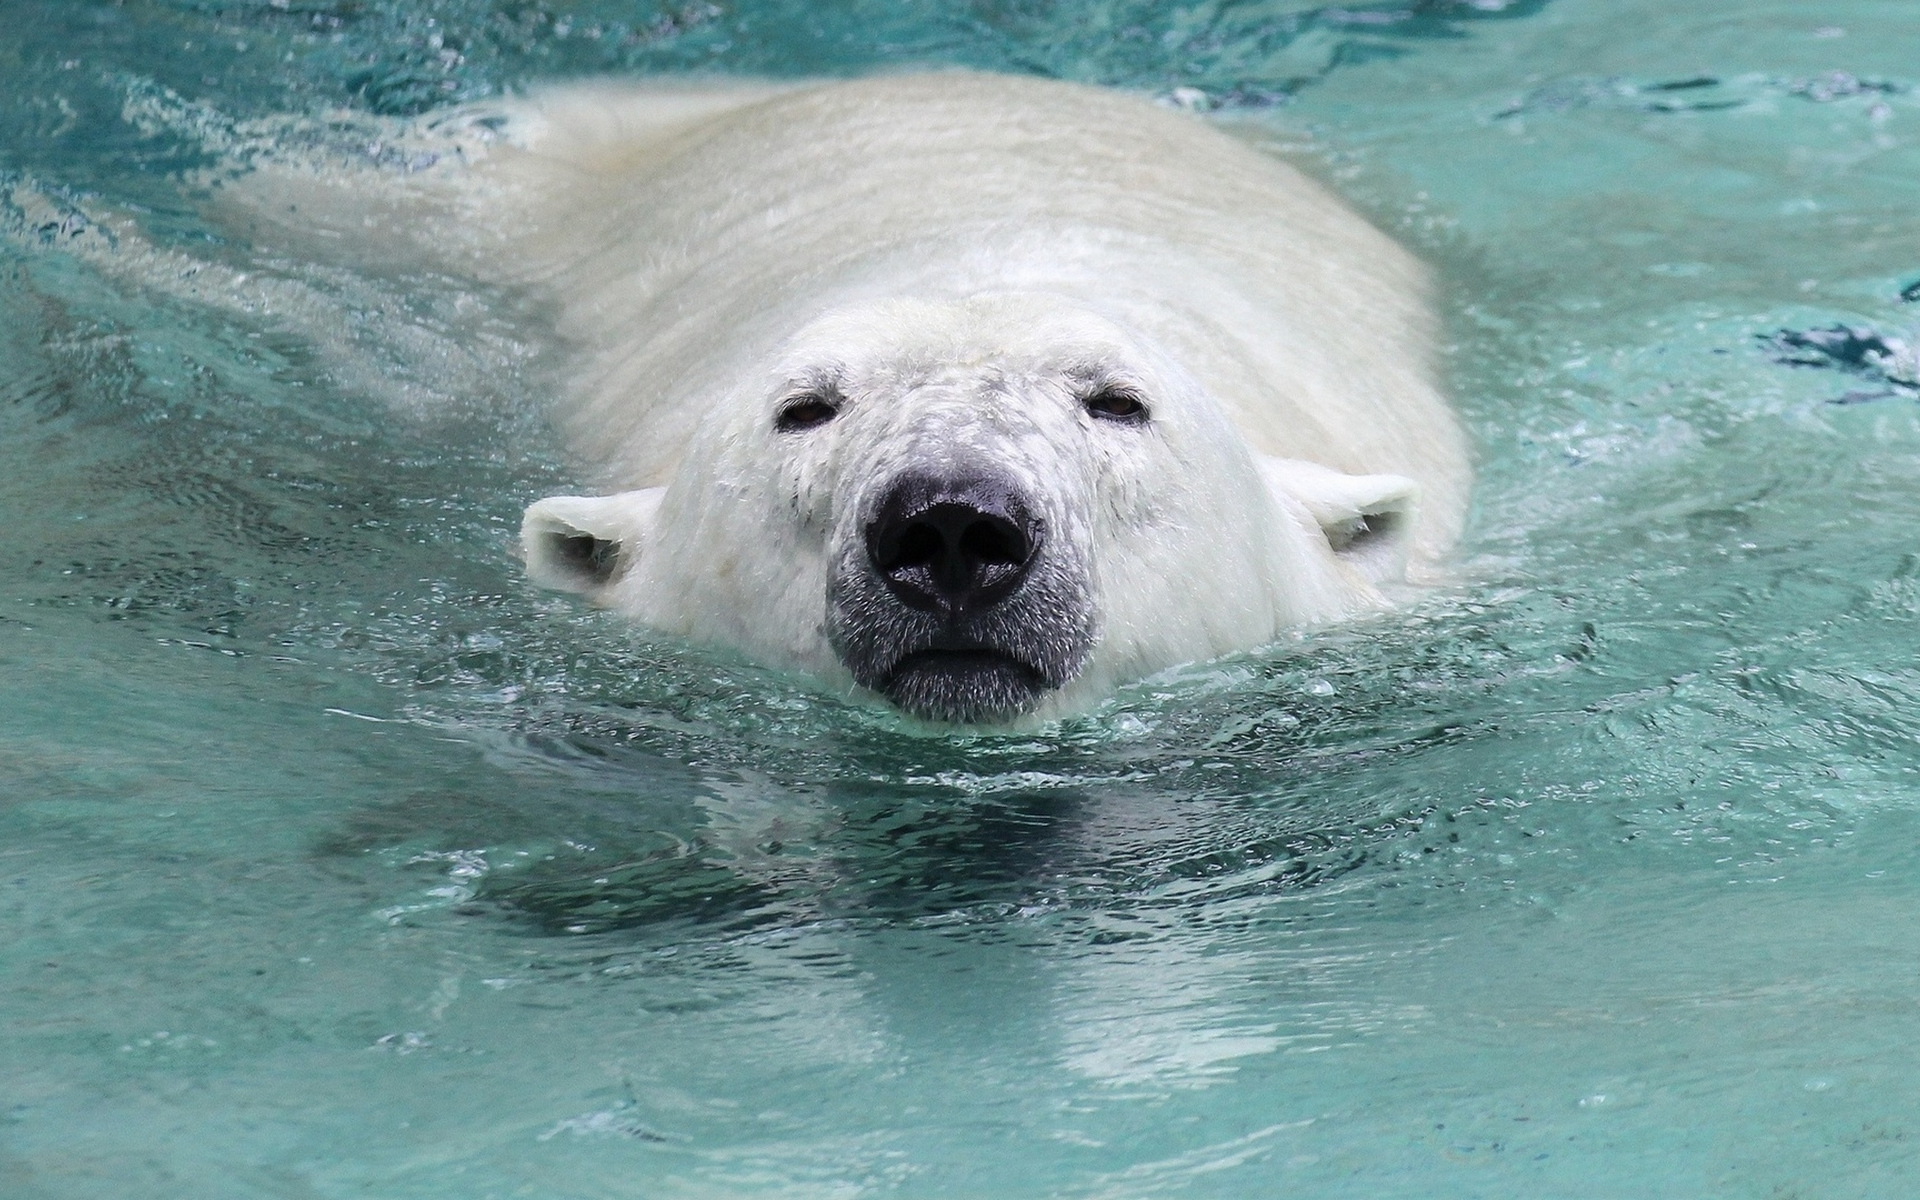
(954, 604)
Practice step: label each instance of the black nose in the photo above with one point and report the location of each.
(952, 546)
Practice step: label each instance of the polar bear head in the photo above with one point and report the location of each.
(978, 510)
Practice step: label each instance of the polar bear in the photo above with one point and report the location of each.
(978, 394)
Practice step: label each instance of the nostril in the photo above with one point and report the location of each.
(919, 545)
(994, 542)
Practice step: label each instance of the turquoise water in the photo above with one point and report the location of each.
(335, 860)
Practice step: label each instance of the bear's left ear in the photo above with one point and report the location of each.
(1367, 519)
(584, 543)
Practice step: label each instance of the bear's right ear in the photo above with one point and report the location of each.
(1366, 519)
(585, 543)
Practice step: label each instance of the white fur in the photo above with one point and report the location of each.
(957, 251)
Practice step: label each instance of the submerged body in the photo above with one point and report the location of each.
(980, 393)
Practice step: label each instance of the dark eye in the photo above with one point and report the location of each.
(805, 412)
(1117, 404)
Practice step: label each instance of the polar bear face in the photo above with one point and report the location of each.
(977, 510)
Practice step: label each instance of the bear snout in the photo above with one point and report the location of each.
(952, 547)
(951, 599)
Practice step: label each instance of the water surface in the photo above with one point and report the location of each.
(335, 860)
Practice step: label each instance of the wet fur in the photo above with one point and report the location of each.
(960, 253)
